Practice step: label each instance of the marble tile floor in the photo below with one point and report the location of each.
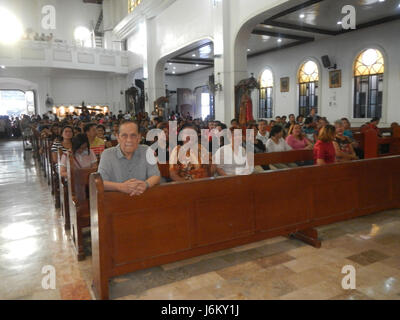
(31, 237)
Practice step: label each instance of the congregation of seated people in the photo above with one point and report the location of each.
(117, 145)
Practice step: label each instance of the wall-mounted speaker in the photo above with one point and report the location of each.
(327, 62)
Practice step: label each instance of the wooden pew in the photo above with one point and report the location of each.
(42, 152)
(78, 180)
(282, 157)
(202, 216)
(370, 142)
(35, 143)
(42, 155)
(263, 159)
(55, 182)
(64, 199)
(48, 145)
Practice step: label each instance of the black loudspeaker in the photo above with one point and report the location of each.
(326, 61)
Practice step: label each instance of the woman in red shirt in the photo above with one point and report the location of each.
(324, 150)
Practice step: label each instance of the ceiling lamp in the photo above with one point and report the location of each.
(10, 28)
(205, 50)
(83, 35)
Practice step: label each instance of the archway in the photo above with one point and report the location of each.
(185, 79)
(21, 95)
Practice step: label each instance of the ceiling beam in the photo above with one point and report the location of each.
(93, 1)
(195, 49)
(293, 9)
(191, 61)
(286, 46)
(371, 23)
(303, 27)
(189, 72)
(281, 35)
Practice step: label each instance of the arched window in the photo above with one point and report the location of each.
(308, 77)
(266, 90)
(132, 4)
(369, 68)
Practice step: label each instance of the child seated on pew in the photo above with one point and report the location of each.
(343, 147)
(348, 133)
(83, 157)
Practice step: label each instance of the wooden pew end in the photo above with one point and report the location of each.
(309, 236)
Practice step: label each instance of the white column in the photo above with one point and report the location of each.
(108, 23)
(153, 70)
(229, 66)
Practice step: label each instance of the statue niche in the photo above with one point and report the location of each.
(243, 102)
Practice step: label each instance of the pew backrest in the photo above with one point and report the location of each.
(202, 216)
(282, 157)
(263, 159)
(78, 181)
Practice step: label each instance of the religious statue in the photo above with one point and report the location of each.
(243, 103)
(246, 110)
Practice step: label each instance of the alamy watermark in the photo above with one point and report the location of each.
(349, 281)
(349, 20)
(49, 280)
(242, 146)
(49, 17)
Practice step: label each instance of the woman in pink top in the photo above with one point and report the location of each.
(297, 140)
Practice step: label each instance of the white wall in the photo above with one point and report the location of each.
(343, 50)
(71, 86)
(181, 24)
(174, 83)
(189, 81)
(69, 15)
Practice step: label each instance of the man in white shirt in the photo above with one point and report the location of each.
(232, 160)
(262, 134)
(277, 144)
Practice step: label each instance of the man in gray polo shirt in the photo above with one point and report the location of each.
(125, 168)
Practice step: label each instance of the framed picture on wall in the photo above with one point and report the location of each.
(335, 79)
(285, 84)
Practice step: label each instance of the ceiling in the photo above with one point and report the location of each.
(309, 21)
(183, 68)
(93, 1)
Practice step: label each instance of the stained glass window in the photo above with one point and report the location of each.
(369, 71)
(266, 90)
(308, 78)
(308, 72)
(369, 62)
(132, 4)
(267, 79)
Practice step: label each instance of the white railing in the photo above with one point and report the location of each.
(27, 53)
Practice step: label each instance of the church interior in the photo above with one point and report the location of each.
(90, 89)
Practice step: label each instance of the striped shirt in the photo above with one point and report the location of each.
(97, 146)
(58, 144)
